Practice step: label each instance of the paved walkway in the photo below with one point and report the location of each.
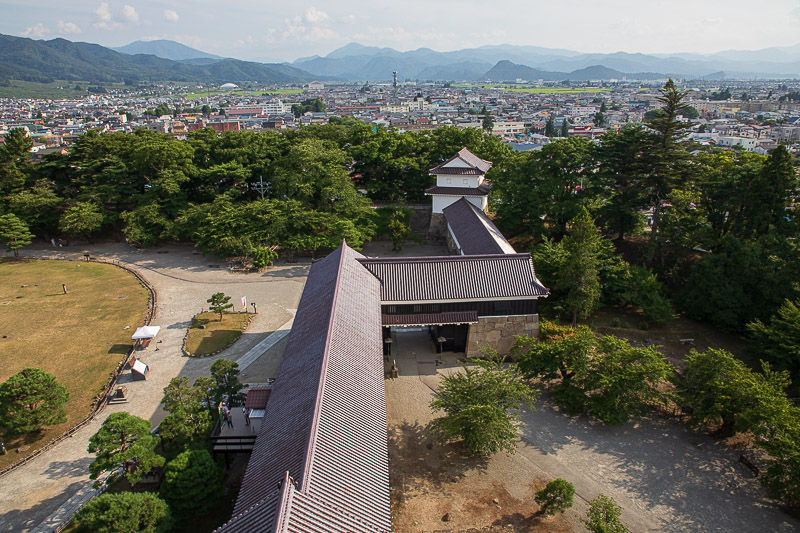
(184, 280)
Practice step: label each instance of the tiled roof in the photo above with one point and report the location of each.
(459, 171)
(480, 190)
(467, 157)
(474, 231)
(461, 277)
(429, 319)
(257, 397)
(325, 426)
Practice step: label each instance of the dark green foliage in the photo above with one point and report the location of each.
(188, 422)
(487, 123)
(14, 161)
(624, 381)
(549, 127)
(481, 406)
(603, 516)
(124, 441)
(556, 497)
(14, 233)
(218, 303)
(83, 219)
(606, 377)
(724, 393)
(778, 341)
(741, 281)
(30, 399)
(226, 378)
(314, 105)
(124, 512)
(37, 207)
(190, 481)
(579, 273)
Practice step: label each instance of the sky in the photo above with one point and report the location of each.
(272, 30)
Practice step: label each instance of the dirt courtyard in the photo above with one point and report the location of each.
(430, 481)
(665, 477)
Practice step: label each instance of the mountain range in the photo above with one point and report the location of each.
(357, 62)
(58, 59)
(158, 61)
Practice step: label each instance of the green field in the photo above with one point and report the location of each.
(80, 337)
(54, 90)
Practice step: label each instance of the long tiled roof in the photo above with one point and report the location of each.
(463, 277)
(475, 233)
(480, 190)
(474, 162)
(429, 319)
(325, 425)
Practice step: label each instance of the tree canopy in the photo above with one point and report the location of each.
(125, 512)
(31, 399)
(124, 441)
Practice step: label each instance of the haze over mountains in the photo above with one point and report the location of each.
(152, 61)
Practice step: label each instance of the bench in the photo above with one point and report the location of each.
(685, 342)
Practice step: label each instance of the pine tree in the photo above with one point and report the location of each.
(218, 303)
(565, 128)
(550, 128)
(14, 233)
(580, 273)
(30, 399)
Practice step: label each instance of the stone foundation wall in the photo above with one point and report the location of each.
(438, 228)
(499, 331)
(451, 243)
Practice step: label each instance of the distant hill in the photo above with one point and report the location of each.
(164, 49)
(356, 62)
(59, 59)
(508, 71)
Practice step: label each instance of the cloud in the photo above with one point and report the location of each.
(103, 19)
(130, 14)
(38, 30)
(68, 27)
(315, 16)
(171, 15)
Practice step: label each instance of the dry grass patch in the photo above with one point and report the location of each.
(79, 337)
(208, 334)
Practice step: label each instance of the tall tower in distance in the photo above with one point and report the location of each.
(394, 86)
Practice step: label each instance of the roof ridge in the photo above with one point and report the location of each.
(312, 441)
(446, 258)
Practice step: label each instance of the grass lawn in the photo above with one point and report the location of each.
(79, 337)
(216, 334)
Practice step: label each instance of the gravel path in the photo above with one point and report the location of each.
(183, 280)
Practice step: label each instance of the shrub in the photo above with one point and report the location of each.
(190, 480)
(556, 497)
(124, 512)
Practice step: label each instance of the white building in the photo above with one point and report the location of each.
(461, 176)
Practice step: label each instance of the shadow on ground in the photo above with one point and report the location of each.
(25, 520)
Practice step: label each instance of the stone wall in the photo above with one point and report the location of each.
(438, 228)
(499, 331)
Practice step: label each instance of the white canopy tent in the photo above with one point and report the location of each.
(146, 332)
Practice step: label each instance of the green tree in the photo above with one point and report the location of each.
(481, 406)
(218, 303)
(190, 481)
(724, 393)
(124, 512)
(778, 341)
(30, 399)
(124, 441)
(15, 163)
(624, 164)
(14, 233)
(36, 206)
(83, 219)
(487, 123)
(226, 376)
(187, 420)
(603, 516)
(549, 127)
(599, 119)
(555, 497)
(670, 158)
(579, 274)
(565, 128)
(561, 353)
(625, 381)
